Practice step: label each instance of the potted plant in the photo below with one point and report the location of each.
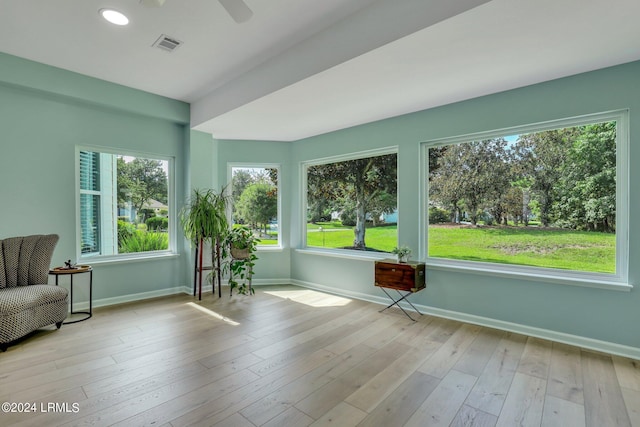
(403, 253)
(204, 219)
(241, 243)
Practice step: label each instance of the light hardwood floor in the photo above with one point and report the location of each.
(288, 356)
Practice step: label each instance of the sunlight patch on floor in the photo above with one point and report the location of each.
(213, 314)
(311, 298)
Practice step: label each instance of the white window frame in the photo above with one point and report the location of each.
(341, 253)
(171, 198)
(276, 166)
(617, 281)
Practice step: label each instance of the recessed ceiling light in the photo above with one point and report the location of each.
(114, 16)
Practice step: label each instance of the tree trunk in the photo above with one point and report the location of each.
(359, 230)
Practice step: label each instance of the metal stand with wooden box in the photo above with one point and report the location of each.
(407, 277)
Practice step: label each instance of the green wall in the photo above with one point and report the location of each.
(45, 113)
(272, 266)
(597, 318)
(591, 314)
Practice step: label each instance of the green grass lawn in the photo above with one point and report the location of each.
(530, 246)
(335, 235)
(552, 248)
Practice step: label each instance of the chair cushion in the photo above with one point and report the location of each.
(25, 260)
(14, 300)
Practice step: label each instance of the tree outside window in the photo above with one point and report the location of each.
(352, 204)
(255, 201)
(544, 199)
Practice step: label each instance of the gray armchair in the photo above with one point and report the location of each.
(27, 302)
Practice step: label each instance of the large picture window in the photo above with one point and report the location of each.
(352, 203)
(550, 196)
(256, 201)
(124, 204)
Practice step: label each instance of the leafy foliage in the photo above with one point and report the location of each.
(157, 223)
(566, 177)
(362, 182)
(125, 231)
(141, 180)
(258, 204)
(204, 218)
(241, 267)
(255, 197)
(144, 241)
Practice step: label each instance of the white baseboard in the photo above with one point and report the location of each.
(255, 282)
(576, 340)
(103, 302)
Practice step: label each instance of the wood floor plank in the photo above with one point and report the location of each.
(301, 338)
(17, 387)
(293, 356)
(565, 374)
(193, 399)
(290, 418)
(439, 364)
(378, 388)
(341, 415)
(161, 405)
(280, 400)
(632, 402)
(603, 401)
(122, 394)
(472, 417)
(442, 405)
(491, 389)
(370, 330)
(628, 372)
(337, 390)
(398, 407)
(562, 413)
(524, 403)
(235, 420)
(536, 358)
(475, 359)
(245, 396)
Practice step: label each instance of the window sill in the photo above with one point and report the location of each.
(267, 248)
(345, 254)
(531, 274)
(127, 258)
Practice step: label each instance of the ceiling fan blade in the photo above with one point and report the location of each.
(237, 9)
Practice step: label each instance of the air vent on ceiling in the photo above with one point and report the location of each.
(167, 43)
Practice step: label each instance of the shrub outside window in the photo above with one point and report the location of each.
(550, 197)
(124, 205)
(351, 203)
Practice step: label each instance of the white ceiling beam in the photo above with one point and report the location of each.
(381, 23)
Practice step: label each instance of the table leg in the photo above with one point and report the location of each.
(397, 302)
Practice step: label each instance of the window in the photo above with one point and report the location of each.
(256, 201)
(124, 204)
(351, 203)
(548, 197)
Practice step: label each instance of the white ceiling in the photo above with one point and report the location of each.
(299, 68)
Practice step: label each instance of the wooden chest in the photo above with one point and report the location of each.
(405, 276)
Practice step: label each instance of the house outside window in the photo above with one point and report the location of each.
(545, 199)
(124, 205)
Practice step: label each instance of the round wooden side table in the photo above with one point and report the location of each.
(62, 271)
